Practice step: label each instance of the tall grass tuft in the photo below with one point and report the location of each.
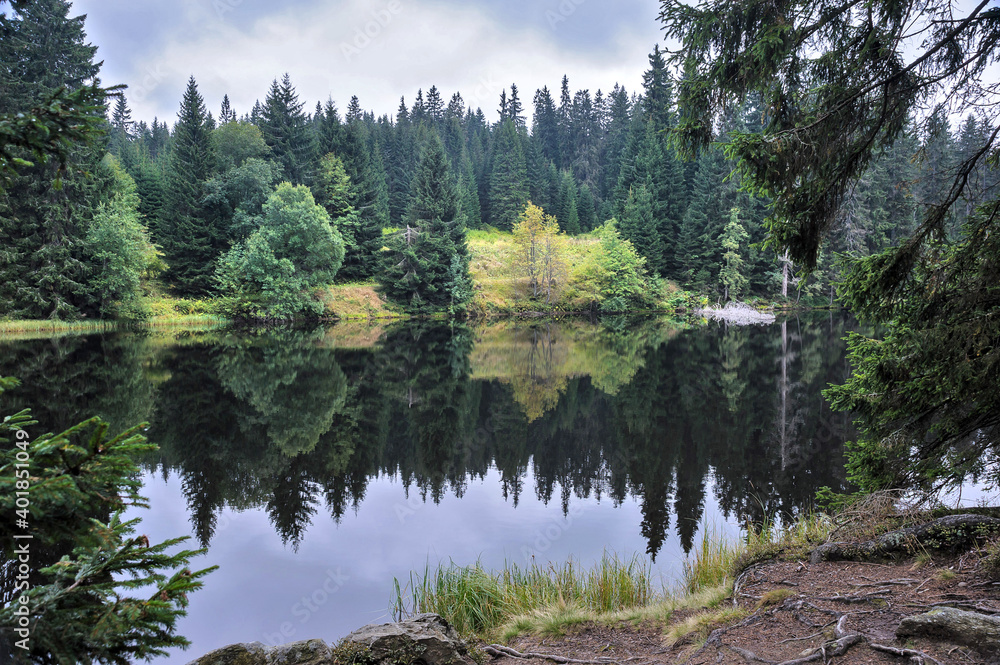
(479, 602)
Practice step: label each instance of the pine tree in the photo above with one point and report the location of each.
(564, 113)
(353, 110)
(44, 213)
(508, 179)
(515, 110)
(94, 605)
(698, 254)
(545, 125)
(426, 267)
(190, 241)
(370, 198)
(226, 113)
(586, 209)
(613, 147)
(659, 88)
(638, 226)
(567, 212)
(732, 275)
(285, 130)
(435, 105)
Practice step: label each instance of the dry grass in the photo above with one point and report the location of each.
(352, 302)
(500, 290)
(550, 601)
(698, 626)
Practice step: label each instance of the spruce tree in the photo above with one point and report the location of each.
(116, 597)
(285, 129)
(545, 125)
(226, 113)
(638, 226)
(369, 196)
(508, 179)
(190, 240)
(566, 211)
(45, 211)
(586, 209)
(732, 275)
(426, 267)
(122, 136)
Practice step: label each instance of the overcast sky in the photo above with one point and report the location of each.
(376, 49)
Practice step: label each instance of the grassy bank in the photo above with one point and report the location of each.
(23, 329)
(550, 599)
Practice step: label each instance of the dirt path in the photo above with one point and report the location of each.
(799, 612)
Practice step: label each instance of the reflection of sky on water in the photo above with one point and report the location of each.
(258, 590)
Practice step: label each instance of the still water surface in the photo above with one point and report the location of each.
(318, 465)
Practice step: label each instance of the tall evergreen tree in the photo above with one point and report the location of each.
(545, 125)
(284, 126)
(435, 105)
(426, 267)
(191, 242)
(226, 113)
(638, 226)
(44, 213)
(515, 110)
(586, 209)
(508, 193)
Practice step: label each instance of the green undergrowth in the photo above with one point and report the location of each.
(498, 289)
(550, 599)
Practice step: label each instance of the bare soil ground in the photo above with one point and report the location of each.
(797, 613)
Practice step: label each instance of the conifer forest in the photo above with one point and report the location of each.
(587, 341)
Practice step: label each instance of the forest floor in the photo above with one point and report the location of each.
(791, 612)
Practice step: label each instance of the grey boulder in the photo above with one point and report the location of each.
(426, 638)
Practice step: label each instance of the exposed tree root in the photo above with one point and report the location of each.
(918, 657)
(499, 650)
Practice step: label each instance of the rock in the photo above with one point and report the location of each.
(979, 631)
(306, 652)
(253, 653)
(426, 638)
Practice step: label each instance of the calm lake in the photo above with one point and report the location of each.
(318, 465)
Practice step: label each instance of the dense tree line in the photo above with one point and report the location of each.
(852, 90)
(200, 187)
(586, 159)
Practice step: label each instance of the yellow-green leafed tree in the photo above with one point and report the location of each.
(539, 252)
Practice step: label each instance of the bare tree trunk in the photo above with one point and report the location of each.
(785, 263)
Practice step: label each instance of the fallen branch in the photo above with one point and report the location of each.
(919, 657)
(736, 314)
(945, 532)
(499, 650)
(903, 581)
(867, 598)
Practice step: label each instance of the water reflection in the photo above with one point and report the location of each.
(299, 423)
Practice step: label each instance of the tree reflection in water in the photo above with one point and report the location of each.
(298, 422)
